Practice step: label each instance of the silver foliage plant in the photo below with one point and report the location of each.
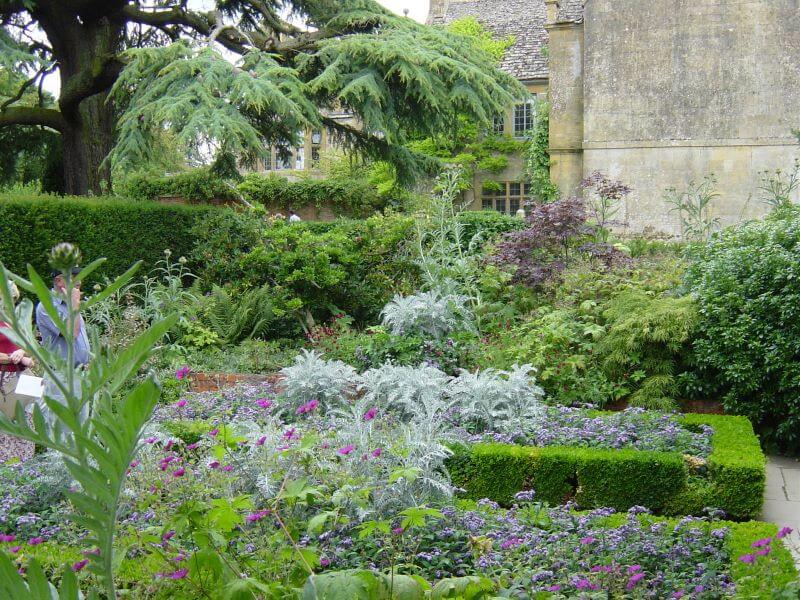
(498, 400)
(411, 391)
(429, 314)
(311, 377)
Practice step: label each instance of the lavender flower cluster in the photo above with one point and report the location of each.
(575, 554)
(244, 402)
(633, 428)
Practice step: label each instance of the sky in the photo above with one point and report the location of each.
(417, 9)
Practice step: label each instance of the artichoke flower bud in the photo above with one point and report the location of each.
(64, 257)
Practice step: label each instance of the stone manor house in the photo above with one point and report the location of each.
(656, 93)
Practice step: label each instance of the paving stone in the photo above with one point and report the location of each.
(791, 479)
(774, 488)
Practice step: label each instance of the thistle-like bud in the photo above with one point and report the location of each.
(182, 260)
(167, 252)
(65, 256)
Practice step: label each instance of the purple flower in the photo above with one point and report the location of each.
(79, 565)
(149, 440)
(227, 468)
(256, 516)
(260, 441)
(370, 414)
(345, 450)
(181, 403)
(213, 464)
(263, 403)
(35, 541)
(760, 543)
(397, 531)
(763, 551)
(553, 588)
(587, 540)
(634, 580)
(376, 453)
(214, 432)
(324, 562)
(168, 535)
(14, 549)
(192, 446)
(783, 532)
(7, 537)
(179, 574)
(182, 372)
(747, 558)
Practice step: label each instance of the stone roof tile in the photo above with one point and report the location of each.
(571, 11)
(524, 19)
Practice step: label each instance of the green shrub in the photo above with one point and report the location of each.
(120, 230)
(489, 223)
(747, 285)
(622, 478)
(189, 432)
(197, 185)
(763, 578)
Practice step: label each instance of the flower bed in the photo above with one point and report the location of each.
(665, 482)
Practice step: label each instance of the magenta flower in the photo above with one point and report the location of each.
(213, 464)
(634, 580)
(214, 432)
(256, 516)
(554, 588)
(227, 468)
(783, 532)
(7, 537)
(397, 531)
(678, 594)
(179, 557)
(193, 446)
(35, 541)
(307, 407)
(179, 472)
(290, 434)
(182, 372)
(179, 574)
(370, 414)
(79, 565)
(634, 569)
(263, 403)
(747, 558)
(181, 403)
(134, 463)
(15, 549)
(376, 453)
(168, 535)
(763, 551)
(260, 441)
(345, 450)
(324, 562)
(149, 440)
(760, 543)
(587, 540)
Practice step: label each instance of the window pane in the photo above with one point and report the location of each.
(513, 205)
(523, 118)
(315, 156)
(486, 203)
(514, 189)
(500, 205)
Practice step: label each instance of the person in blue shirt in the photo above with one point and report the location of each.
(52, 338)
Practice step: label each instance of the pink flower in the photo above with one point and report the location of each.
(376, 453)
(747, 558)
(79, 565)
(370, 414)
(324, 562)
(397, 531)
(260, 441)
(149, 440)
(289, 434)
(213, 464)
(345, 450)
(181, 403)
(554, 588)
(179, 472)
(193, 446)
(214, 432)
(586, 540)
(14, 549)
(182, 372)
(263, 403)
(783, 532)
(227, 468)
(169, 445)
(35, 541)
(7, 537)
(307, 407)
(634, 569)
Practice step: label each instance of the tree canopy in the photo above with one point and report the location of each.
(237, 79)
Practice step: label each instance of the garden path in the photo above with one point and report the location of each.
(782, 499)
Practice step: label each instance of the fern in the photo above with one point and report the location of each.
(429, 314)
(239, 318)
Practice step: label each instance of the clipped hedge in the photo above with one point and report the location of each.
(123, 231)
(197, 185)
(622, 478)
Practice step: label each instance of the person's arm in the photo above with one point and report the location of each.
(45, 324)
(76, 306)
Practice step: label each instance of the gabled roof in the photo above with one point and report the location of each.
(524, 19)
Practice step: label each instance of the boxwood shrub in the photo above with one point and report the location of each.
(123, 231)
(620, 479)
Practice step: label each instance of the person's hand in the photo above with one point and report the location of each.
(27, 362)
(17, 356)
(76, 298)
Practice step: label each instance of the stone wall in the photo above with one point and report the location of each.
(677, 89)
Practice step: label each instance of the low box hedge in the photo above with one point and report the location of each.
(619, 479)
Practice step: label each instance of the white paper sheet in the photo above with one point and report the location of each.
(27, 385)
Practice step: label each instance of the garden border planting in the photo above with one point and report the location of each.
(619, 479)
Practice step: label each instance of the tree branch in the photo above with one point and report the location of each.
(32, 115)
(88, 82)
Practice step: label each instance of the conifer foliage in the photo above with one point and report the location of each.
(241, 77)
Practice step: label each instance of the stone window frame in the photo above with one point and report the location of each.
(524, 117)
(508, 200)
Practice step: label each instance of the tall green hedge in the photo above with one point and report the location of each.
(622, 478)
(122, 231)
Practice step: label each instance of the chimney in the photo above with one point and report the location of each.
(552, 11)
(437, 12)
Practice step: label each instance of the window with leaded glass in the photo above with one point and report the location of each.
(499, 124)
(523, 118)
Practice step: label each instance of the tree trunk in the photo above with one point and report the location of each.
(88, 138)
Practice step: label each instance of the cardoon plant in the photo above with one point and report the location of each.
(96, 429)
